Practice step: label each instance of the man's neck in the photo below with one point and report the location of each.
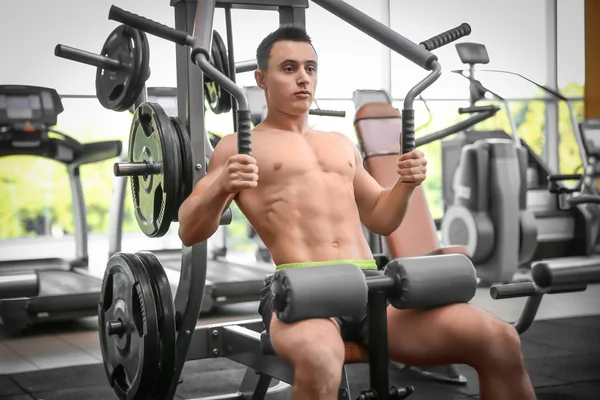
(286, 122)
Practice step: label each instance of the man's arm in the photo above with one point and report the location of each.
(382, 210)
(200, 214)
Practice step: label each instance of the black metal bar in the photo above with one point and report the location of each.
(379, 283)
(190, 104)
(378, 348)
(231, 59)
(528, 314)
(564, 177)
(378, 31)
(461, 126)
(260, 4)
(85, 57)
(136, 168)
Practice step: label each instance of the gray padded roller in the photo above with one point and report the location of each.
(431, 281)
(319, 292)
(19, 284)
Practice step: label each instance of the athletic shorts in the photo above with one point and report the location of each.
(351, 330)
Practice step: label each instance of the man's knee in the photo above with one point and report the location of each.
(504, 346)
(317, 355)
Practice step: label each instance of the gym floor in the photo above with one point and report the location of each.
(562, 352)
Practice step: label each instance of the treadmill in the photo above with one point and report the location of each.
(227, 282)
(47, 289)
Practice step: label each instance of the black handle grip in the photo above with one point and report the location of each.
(511, 290)
(564, 177)
(408, 131)
(478, 109)
(327, 113)
(244, 132)
(447, 37)
(148, 26)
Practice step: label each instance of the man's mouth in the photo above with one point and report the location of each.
(302, 93)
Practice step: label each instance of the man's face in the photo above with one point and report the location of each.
(291, 78)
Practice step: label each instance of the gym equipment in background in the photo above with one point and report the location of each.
(51, 289)
(508, 219)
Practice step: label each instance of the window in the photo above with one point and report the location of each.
(571, 77)
(512, 30)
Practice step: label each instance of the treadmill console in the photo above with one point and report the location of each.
(590, 132)
(33, 107)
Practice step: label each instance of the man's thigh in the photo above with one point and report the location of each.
(445, 335)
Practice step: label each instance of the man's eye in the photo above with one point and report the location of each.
(288, 69)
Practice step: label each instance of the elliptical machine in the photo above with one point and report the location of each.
(487, 203)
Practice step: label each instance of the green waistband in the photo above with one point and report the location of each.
(362, 264)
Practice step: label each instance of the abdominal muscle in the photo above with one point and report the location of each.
(313, 219)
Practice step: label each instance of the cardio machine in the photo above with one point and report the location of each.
(38, 290)
(494, 186)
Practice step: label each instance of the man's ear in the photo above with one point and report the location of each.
(259, 76)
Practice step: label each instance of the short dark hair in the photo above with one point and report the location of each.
(285, 32)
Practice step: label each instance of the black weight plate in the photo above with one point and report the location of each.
(130, 356)
(218, 99)
(166, 320)
(117, 90)
(152, 139)
(186, 183)
(225, 97)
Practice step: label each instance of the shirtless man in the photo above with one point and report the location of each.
(308, 206)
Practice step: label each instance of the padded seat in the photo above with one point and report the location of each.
(378, 128)
(355, 353)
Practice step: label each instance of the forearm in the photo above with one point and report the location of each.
(200, 214)
(390, 208)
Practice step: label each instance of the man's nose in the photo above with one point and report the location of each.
(303, 78)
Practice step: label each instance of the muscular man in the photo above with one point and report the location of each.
(308, 206)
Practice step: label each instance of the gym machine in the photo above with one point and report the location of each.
(494, 187)
(122, 71)
(146, 336)
(584, 198)
(34, 291)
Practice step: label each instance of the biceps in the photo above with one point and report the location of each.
(366, 191)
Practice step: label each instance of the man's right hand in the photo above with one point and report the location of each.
(240, 172)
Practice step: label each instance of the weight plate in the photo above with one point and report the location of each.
(152, 140)
(166, 321)
(218, 99)
(186, 183)
(117, 90)
(128, 328)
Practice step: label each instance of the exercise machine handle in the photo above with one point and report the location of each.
(522, 289)
(564, 177)
(447, 37)
(408, 131)
(149, 26)
(478, 109)
(327, 113)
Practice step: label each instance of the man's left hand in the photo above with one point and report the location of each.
(412, 167)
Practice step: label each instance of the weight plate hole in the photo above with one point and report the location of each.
(158, 201)
(119, 377)
(116, 91)
(146, 122)
(137, 311)
(108, 294)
